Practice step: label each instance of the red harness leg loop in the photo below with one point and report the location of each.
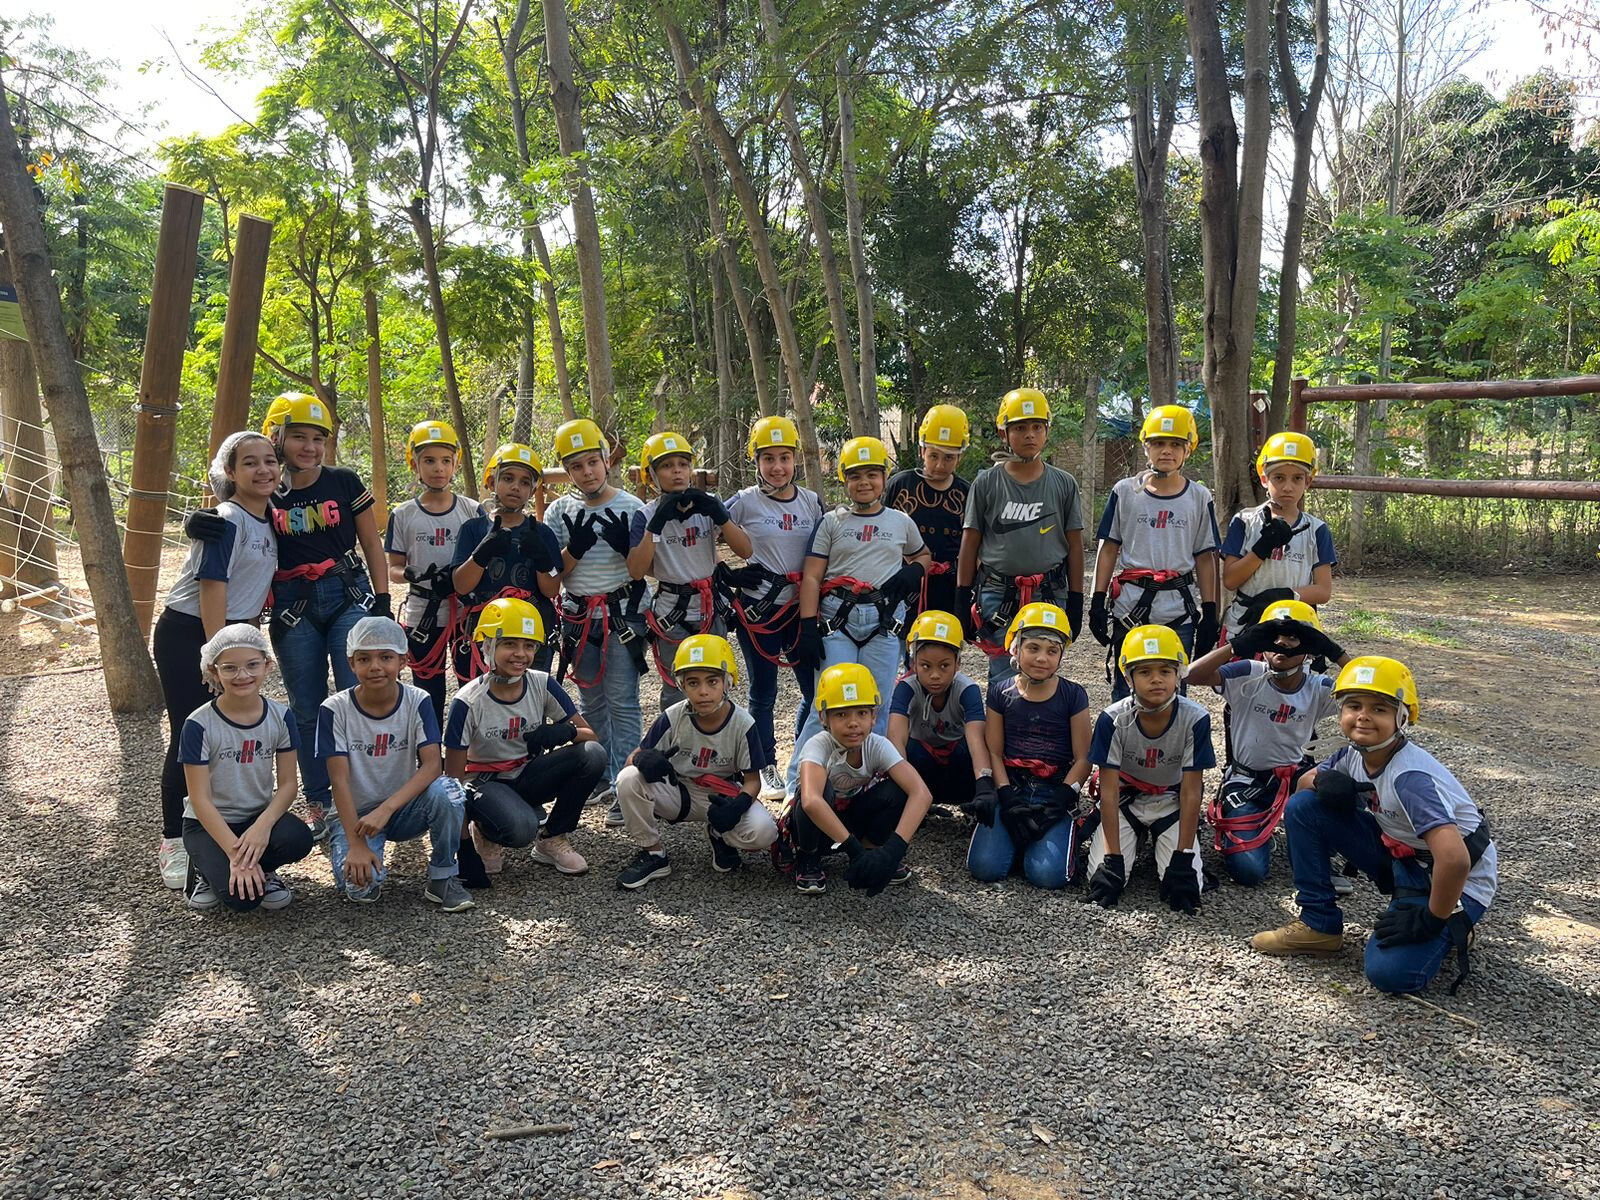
(719, 784)
(708, 616)
(1247, 831)
(1027, 585)
(310, 572)
(431, 664)
(591, 606)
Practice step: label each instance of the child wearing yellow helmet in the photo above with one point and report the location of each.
(1399, 816)
(864, 565)
(675, 540)
(1276, 550)
(779, 516)
(1157, 562)
(1151, 750)
(1274, 704)
(700, 761)
(935, 497)
(936, 714)
(505, 551)
(514, 736)
(323, 586)
(602, 626)
(856, 791)
(420, 543)
(1022, 534)
(1037, 729)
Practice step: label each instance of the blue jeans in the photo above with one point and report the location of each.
(1001, 666)
(1119, 685)
(304, 652)
(611, 706)
(881, 656)
(1316, 833)
(992, 853)
(438, 812)
(763, 676)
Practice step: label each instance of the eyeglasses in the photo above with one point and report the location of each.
(233, 670)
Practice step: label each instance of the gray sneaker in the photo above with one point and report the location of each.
(773, 784)
(1343, 885)
(275, 895)
(199, 893)
(448, 894)
(614, 817)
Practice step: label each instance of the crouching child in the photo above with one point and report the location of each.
(380, 742)
(1152, 749)
(701, 761)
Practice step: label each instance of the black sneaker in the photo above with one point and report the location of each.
(448, 894)
(902, 874)
(809, 877)
(646, 865)
(724, 858)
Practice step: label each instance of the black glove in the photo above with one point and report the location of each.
(1068, 798)
(205, 525)
(1314, 642)
(653, 766)
(1342, 793)
(535, 548)
(1100, 619)
(1253, 640)
(1265, 599)
(746, 577)
(666, 510)
(1205, 633)
(1262, 638)
(1275, 534)
(581, 536)
(497, 543)
(903, 582)
(808, 646)
(969, 627)
(698, 501)
(985, 802)
(382, 605)
(1180, 886)
(613, 527)
(871, 870)
(727, 811)
(548, 737)
(1074, 607)
(1411, 923)
(1106, 884)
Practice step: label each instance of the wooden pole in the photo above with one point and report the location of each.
(27, 524)
(1477, 489)
(236, 365)
(166, 335)
(1297, 403)
(1463, 389)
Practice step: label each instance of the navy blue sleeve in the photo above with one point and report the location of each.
(1211, 515)
(1233, 544)
(996, 699)
(758, 756)
(327, 745)
(900, 702)
(560, 695)
(971, 704)
(1205, 754)
(1108, 519)
(1419, 796)
(657, 731)
(1332, 762)
(1100, 747)
(192, 744)
(455, 726)
(1077, 699)
(1326, 555)
(636, 528)
(547, 536)
(216, 557)
(430, 723)
(472, 531)
(390, 546)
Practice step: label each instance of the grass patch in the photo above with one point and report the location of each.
(1364, 622)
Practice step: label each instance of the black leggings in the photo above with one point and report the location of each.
(508, 811)
(870, 815)
(177, 643)
(289, 841)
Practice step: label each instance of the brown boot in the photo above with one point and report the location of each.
(1297, 938)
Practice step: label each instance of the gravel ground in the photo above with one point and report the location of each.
(723, 1037)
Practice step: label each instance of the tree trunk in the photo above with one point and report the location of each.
(491, 423)
(1089, 469)
(855, 223)
(1230, 226)
(27, 535)
(755, 341)
(131, 683)
(552, 312)
(817, 214)
(760, 244)
(1303, 121)
(727, 418)
(380, 451)
(1152, 109)
(586, 226)
(422, 224)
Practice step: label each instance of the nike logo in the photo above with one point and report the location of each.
(1012, 526)
(1045, 529)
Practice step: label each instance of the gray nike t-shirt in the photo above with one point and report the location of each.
(1023, 526)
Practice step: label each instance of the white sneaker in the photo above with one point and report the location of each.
(201, 897)
(773, 784)
(557, 852)
(275, 895)
(174, 862)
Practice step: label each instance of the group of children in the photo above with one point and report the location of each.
(872, 624)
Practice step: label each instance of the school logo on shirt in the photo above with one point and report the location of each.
(245, 755)
(691, 536)
(441, 537)
(514, 728)
(1153, 756)
(786, 522)
(380, 745)
(306, 518)
(704, 756)
(867, 533)
(1281, 717)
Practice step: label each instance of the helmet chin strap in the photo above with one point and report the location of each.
(767, 489)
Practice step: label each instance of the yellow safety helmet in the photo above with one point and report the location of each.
(935, 627)
(579, 437)
(773, 433)
(509, 617)
(1041, 616)
(1287, 448)
(1170, 421)
(1380, 676)
(1151, 643)
(705, 652)
(1290, 610)
(1022, 404)
(511, 454)
(662, 445)
(945, 427)
(862, 452)
(296, 408)
(430, 433)
(847, 685)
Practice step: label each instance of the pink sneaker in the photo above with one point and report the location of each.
(557, 852)
(492, 854)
